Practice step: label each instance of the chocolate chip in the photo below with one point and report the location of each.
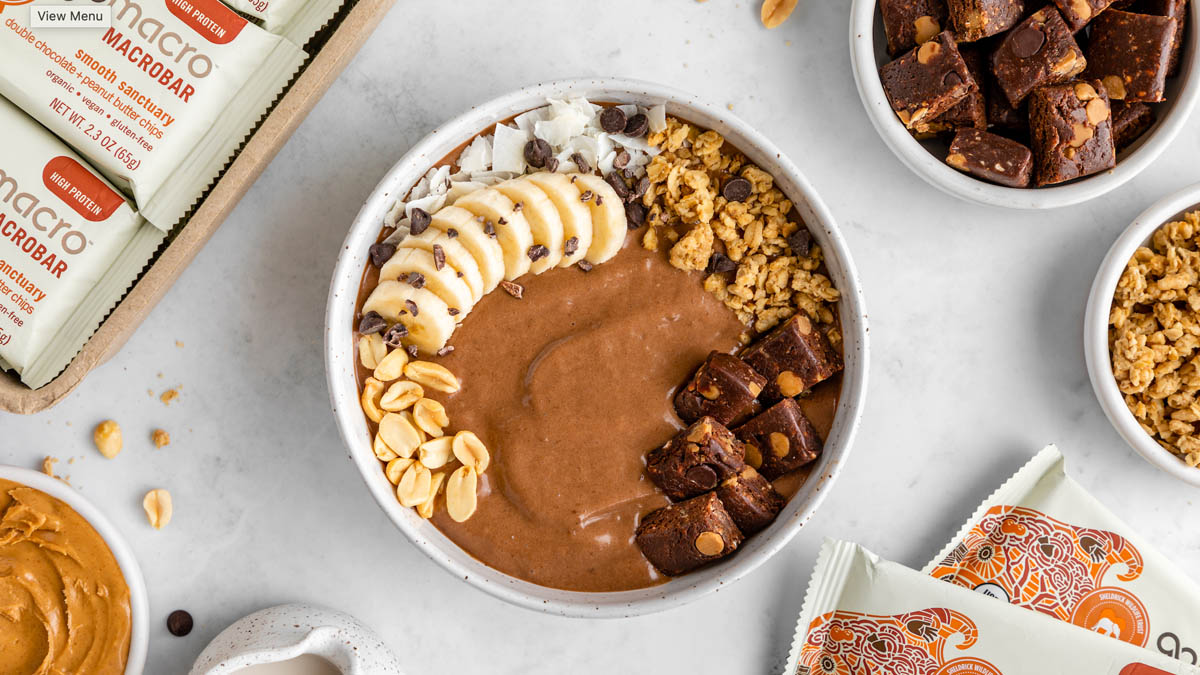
(580, 162)
(413, 351)
(613, 120)
(586, 196)
(635, 215)
(618, 186)
(371, 322)
(641, 187)
(412, 307)
(621, 160)
(599, 200)
(381, 253)
(452, 233)
(628, 172)
(395, 335)
(515, 290)
(439, 257)
(416, 279)
(571, 245)
(179, 623)
(552, 164)
(951, 79)
(537, 152)
(445, 350)
(489, 229)
(502, 221)
(720, 263)
(737, 189)
(1027, 41)
(419, 222)
(537, 252)
(585, 265)
(703, 477)
(452, 311)
(516, 209)
(800, 242)
(637, 126)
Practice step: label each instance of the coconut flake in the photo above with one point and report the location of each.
(476, 157)
(428, 204)
(526, 120)
(657, 116)
(606, 163)
(508, 149)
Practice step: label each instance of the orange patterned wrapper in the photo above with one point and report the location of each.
(1043, 543)
(867, 616)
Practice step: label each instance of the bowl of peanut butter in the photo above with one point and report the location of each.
(596, 347)
(72, 594)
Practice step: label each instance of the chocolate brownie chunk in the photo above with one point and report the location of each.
(1071, 125)
(681, 537)
(1176, 9)
(695, 460)
(1129, 122)
(751, 500)
(794, 357)
(1130, 54)
(1000, 112)
(1079, 12)
(927, 81)
(908, 23)
(992, 158)
(1039, 51)
(779, 440)
(724, 388)
(969, 112)
(976, 19)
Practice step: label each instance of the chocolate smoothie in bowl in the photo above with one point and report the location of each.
(597, 347)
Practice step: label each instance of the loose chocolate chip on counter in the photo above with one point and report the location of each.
(585, 266)
(613, 120)
(413, 351)
(179, 623)
(416, 279)
(720, 263)
(419, 222)
(371, 322)
(552, 164)
(452, 233)
(635, 215)
(800, 242)
(537, 252)
(515, 290)
(736, 189)
(580, 162)
(571, 245)
(586, 196)
(412, 307)
(395, 335)
(537, 152)
(637, 126)
(381, 253)
(1027, 41)
(619, 186)
(439, 257)
(621, 160)
(445, 350)
(641, 187)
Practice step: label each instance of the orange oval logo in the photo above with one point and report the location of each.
(1113, 612)
(12, 3)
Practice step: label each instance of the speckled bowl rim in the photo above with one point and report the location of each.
(340, 364)
(139, 641)
(1095, 331)
(864, 39)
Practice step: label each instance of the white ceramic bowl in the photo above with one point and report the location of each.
(868, 51)
(139, 604)
(1095, 331)
(339, 350)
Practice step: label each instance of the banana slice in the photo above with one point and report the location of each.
(444, 281)
(544, 221)
(608, 218)
(576, 218)
(469, 232)
(429, 329)
(512, 228)
(457, 256)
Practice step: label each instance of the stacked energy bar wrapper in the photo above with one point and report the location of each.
(1103, 601)
(110, 134)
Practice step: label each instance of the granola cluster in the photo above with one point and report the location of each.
(1154, 336)
(762, 263)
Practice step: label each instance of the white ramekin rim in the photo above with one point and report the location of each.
(1095, 331)
(139, 603)
(339, 353)
(951, 181)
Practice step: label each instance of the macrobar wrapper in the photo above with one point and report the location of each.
(295, 20)
(1042, 542)
(158, 102)
(70, 246)
(866, 615)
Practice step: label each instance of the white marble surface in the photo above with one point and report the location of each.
(977, 357)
